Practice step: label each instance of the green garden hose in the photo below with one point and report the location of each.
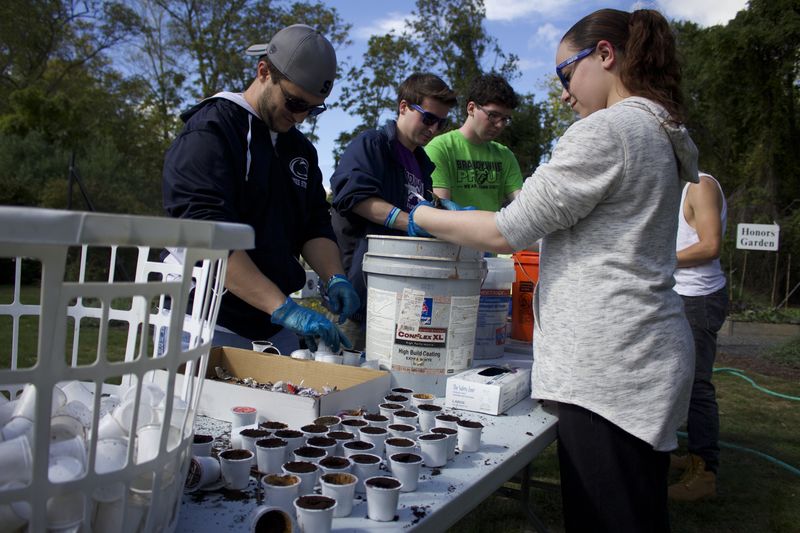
(738, 373)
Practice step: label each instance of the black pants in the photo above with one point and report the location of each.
(610, 480)
(705, 315)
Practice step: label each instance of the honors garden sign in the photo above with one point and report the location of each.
(757, 237)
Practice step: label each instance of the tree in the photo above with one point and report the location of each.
(743, 93)
(372, 91)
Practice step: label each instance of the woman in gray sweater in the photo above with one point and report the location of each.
(612, 346)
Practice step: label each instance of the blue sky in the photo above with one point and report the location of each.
(530, 29)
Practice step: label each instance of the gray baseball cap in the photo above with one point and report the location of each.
(303, 55)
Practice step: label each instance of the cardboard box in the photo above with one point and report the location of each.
(488, 389)
(355, 387)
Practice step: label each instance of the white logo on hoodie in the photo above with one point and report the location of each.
(299, 168)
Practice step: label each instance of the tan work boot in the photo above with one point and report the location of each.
(696, 483)
(678, 462)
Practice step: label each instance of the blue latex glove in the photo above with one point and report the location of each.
(342, 297)
(413, 229)
(310, 325)
(450, 205)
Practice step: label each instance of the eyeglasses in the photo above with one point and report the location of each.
(495, 117)
(428, 118)
(567, 62)
(297, 105)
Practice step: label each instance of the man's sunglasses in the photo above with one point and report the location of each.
(428, 118)
(567, 62)
(297, 105)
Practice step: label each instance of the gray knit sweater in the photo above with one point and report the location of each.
(610, 332)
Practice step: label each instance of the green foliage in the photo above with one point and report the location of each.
(742, 83)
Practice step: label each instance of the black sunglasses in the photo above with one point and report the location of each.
(297, 105)
(428, 118)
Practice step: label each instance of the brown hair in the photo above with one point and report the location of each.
(492, 89)
(649, 64)
(425, 85)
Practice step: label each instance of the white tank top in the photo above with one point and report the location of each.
(702, 279)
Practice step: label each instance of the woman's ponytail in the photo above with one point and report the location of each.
(650, 64)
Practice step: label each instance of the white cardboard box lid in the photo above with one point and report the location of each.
(355, 387)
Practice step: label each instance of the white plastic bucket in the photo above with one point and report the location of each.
(490, 334)
(422, 308)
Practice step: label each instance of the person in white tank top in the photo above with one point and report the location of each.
(700, 281)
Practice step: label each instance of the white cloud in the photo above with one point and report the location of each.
(391, 22)
(547, 35)
(509, 10)
(526, 63)
(703, 12)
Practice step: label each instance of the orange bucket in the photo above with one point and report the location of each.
(526, 266)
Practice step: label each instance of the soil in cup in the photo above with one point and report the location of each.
(280, 480)
(309, 451)
(359, 445)
(445, 431)
(429, 407)
(272, 425)
(401, 427)
(364, 459)
(400, 442)
(375, 418)
(383, 483)
(327, 421)
(470, 424)
(338, 479)
(369, 430)
(288, 434)
(236, 455)
(272, 442)
(391, 406)
(355, 423)
(406, 414)
(314, 428)
(396, 398)
(315, 502)
(253, 432)
(401, 390)
(321, 442)
(341, 435)
(203, 439)
(336, 463)
(406, 458)
(300, 467)
(447, 418)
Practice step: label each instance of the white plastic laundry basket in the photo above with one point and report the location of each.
(87, 441)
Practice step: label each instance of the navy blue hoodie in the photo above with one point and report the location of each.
(223, 167)
(369, 168)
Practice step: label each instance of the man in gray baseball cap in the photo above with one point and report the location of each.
(240, 158)
(303, 56)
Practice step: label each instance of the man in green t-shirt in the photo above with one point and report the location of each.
(471, 168)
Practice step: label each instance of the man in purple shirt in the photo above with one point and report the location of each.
(382, 175)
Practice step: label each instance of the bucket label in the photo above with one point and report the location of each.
(412, 332)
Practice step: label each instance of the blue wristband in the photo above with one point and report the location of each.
(391, 217)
